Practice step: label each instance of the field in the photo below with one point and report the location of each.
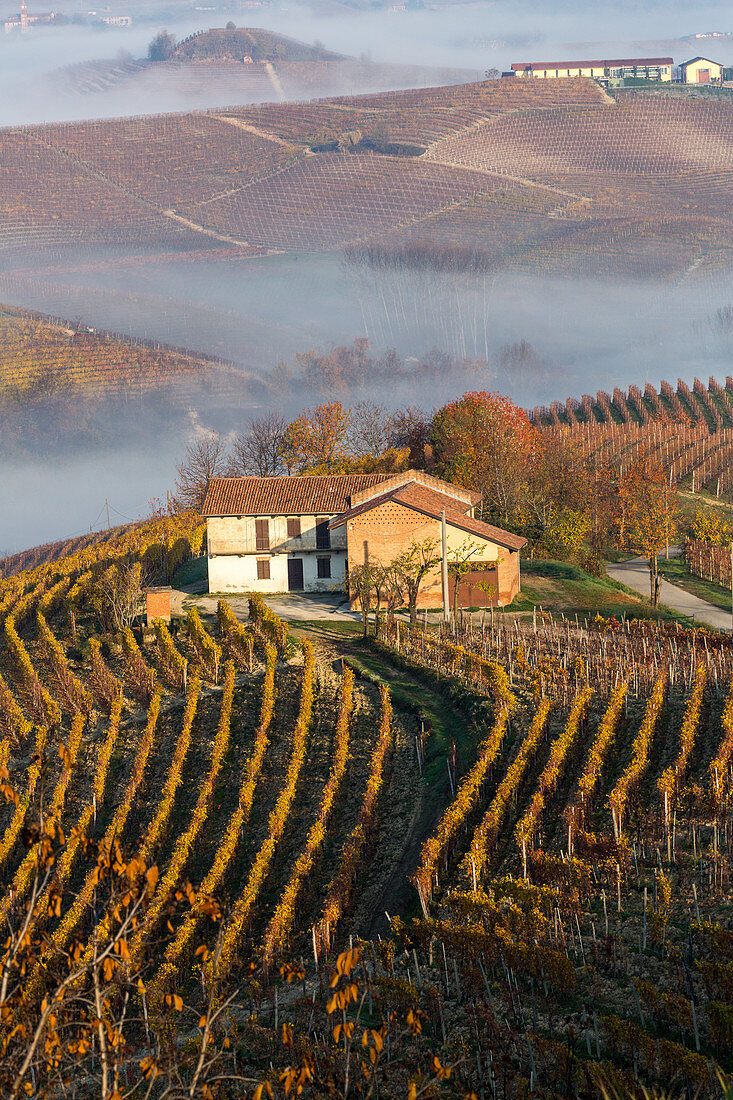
(43, 359)
(525, 176)
(511, 876)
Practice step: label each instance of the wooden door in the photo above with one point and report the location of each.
(295, 574)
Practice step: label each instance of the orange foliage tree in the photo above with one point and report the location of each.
(648, 511)
(317, 441)
(485, 442)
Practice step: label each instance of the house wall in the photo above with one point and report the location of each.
(548, 74)
(158, 604)
(236, 535)
(385, 532)
(233, 555)
(598, 72)
(692, 72)
(477, 588)
(238, 572)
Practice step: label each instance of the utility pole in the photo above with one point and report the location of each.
(444, 564)
(107, 506)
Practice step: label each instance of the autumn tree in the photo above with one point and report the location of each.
(565, 534)
(317, 441)
(258, 451)
(712, 527)
(649, 508)
(205, 458)
(484, 441)
(556, 479)
(602, 503)
(343, 369)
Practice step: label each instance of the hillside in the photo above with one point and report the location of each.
(235, 65)
(255, 44)
(41, 356)
(82, 382)
(201, 82)
(531, 178)
(539, 807)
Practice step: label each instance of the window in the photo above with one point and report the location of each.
(324, 568)
(263, 569)
(294, 527)
(323, 535)
(262, 534)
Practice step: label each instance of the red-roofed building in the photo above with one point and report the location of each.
(650, 68)
(278, 534)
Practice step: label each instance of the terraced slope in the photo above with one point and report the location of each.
(530, 175)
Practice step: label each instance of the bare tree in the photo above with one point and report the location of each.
(117, 595)
(362, 582)
(162, 46)
(258, 452)
(410, 427)
(461, 562)
(388, 587)
(204, 459)
(370, 429)
(411, 567)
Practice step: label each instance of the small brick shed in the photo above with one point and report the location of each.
(158, 603)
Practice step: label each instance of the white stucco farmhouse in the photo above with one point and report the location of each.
(272, 534)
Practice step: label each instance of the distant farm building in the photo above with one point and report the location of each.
(701, 70)
(24, 19)
(647, 68)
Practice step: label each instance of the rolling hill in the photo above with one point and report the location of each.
(235, 65)
(560, 177)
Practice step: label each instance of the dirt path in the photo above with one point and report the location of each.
(410, 806)
(698, 497)
(635, 574)
(257, 132)
(201, 229)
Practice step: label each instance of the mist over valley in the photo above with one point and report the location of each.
(538, 262)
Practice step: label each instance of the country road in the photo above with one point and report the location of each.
(635, 574)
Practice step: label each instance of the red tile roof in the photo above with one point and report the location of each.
(422, 499)
(285, 496)
(614, 63)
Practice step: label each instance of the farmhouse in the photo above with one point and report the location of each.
(650, 68)
(298, 534)
(701, 70)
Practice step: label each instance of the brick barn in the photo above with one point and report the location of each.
(299, 534)
(382, 523)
